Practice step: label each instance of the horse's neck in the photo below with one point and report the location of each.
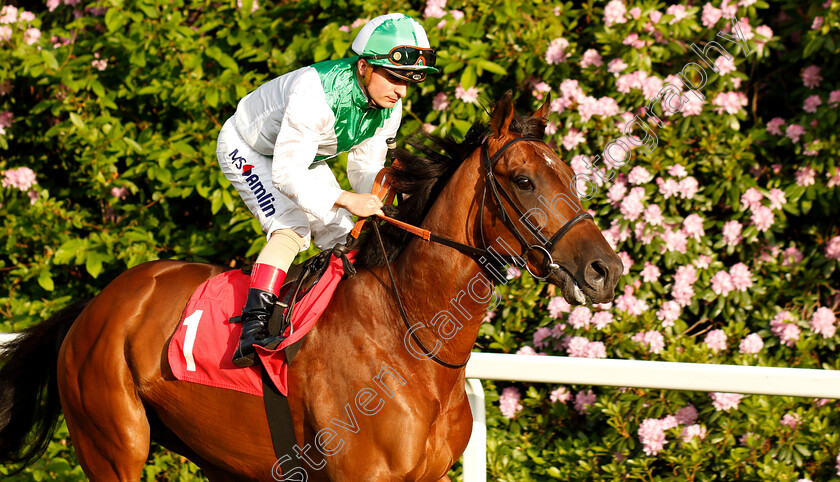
(440, 285)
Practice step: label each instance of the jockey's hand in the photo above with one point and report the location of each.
(362, 205)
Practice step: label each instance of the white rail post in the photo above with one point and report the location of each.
(475, 456)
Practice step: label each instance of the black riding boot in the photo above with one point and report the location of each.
(255, 316)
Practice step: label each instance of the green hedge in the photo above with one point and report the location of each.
(115, 108)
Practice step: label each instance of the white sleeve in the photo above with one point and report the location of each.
(365, 160)
(306, 119)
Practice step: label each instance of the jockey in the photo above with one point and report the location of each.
(275, 148)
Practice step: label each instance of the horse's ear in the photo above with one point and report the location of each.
(542, 112)
(502, 114)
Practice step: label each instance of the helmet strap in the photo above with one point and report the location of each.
(365, 82)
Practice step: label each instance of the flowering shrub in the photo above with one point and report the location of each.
(721, 200)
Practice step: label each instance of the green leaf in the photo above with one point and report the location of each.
(45, 280)
(468, 77)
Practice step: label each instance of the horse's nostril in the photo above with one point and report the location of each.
(596, 274)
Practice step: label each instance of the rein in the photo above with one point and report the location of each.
(548, 265)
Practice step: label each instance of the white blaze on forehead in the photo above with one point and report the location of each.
(548, 160)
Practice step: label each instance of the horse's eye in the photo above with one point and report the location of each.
(524, 183)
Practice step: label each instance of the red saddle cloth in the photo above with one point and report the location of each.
(202, 347)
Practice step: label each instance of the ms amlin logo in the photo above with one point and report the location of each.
(264, 198)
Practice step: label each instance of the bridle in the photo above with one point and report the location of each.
(548, 265)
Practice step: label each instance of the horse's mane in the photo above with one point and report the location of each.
(421, 177)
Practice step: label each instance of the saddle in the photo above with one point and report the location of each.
(299, 281)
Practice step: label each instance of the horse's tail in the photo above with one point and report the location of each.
(29, 403)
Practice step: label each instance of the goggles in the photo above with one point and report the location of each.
(408, 56)
(407, 75)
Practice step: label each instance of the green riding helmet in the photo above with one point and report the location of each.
(397, 43)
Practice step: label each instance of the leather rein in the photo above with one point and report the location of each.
(548, 265)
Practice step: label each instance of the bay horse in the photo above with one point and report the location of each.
(368, 402)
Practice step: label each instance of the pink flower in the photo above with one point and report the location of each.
(526, 351)
(653, 339)
(435, 9)
(345, 28)
(832, 248)
(556, 52)
(31, 36)
(440, 102)
(557, 306)
(635, 12)
(811, 76)
(811, 104)
(5, 33)
(693, 107)
(561, 394)
(655, 16)
(581, 347)
(710, 15)
(693, 226)
(614, 13)
(788, 333)
(580, 317)
(631, 205)
(675, 240)
(791, 420)
(822, 322)
(762, 218)
(725, 401)
(669, 313)
(34, 196)
(729, 102)
(668, 188)
(677, 170)
(8, 14)
(639, 175)
(777, 198)
(629, 303)
(678, 11)
(254, 5)
(601, 319)
(794, 132)
(21, 178)
(688, 187)
(692, 431)
(572, 139)
(834, 97)
(805, 176)
(584, 400)
(616, 65)
(741, 277)
(727, 66)
(652, 433)
(616, 192)
(716, 339)
(470, 96)
(540, 335)
(509, 402)
(833, 180)
(650, 272)
(792, 256)
(751, 344)
(591, 58)
(751, 199)
(817, 23)
(732, 233)
(686, 415)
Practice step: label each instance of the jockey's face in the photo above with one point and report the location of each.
(385, 89)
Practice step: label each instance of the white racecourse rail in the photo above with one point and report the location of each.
(800, 382)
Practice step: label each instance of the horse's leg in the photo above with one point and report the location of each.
(104, 414)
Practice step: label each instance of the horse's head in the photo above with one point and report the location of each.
(530, 206)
